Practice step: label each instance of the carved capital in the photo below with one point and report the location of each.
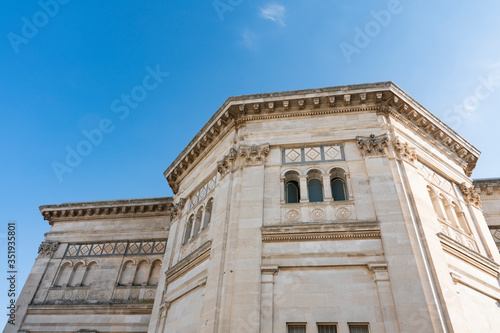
(373, 144)
(254, 154)
(176, 209)
(243, 155)
(225, 165)
(470, 195)
(47, 249)
(405, 151)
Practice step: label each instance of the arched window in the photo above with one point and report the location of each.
(128, 272)
(208, 213)
(197, 222)
(314, 186)
(435, 203)
(462, 222)
(89, 274)
(64, 275)
(292, 187)
(78, 273)
(189, 226)
(449, 213)
(141, 274)
(155, 273)
(337, 183)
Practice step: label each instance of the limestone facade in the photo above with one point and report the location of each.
(489, 191)
(343, 209)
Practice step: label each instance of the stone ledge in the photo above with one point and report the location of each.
(321, 231)
(107, 209)
(465, 254)
(188, 263)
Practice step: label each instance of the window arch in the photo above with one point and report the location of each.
(64, 275)
(189, 227)
(449, 213)
(127, 275)
(141, 274)
(77, 276)
(338, 184)
(462, 222)
(197, 222)
(292, 187)
(315, 186)
(436, 203)
(154, 275)
(208, 213)
(89, 274)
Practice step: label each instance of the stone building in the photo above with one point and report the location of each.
(342, 209)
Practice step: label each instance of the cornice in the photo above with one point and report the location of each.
(383, 97)
(320, 231)
(467, 255)
(107, 209)
(192, 260)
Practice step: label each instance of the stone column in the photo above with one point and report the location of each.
(282, 190)
(304, 193)
(267, 297)
(385, 296)
(327, 189)
(350, 195)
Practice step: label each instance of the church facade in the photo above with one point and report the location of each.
(341, 209)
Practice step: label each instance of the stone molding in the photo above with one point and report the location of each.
(489, 188)
(47, 249)
(373, 144)
(469, 256)
(106, 209)
(248, 155)
(470, 195)
(380, 271)
(185, 265)
(382, 97)
(320, 231)
(96, 308)
(269, 269)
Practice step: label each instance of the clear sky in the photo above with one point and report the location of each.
(149, 74)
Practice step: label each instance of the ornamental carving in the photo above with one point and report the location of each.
(254, 154)
(248, 155)
(343, 213)
(226, 164)
(404, 150)
(176, 209)
(46, 249)
(470, 195)
(292, 215)
(373, 144)
(318, 214)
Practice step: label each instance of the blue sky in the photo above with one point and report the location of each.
(68, 68)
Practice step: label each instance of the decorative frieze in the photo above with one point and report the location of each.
(202, 193)
(470, 195)
(405, 151)
(320, 232)
(47, 249)
(373, 144)
(316, 154)
(435, 178)
(151, 247)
